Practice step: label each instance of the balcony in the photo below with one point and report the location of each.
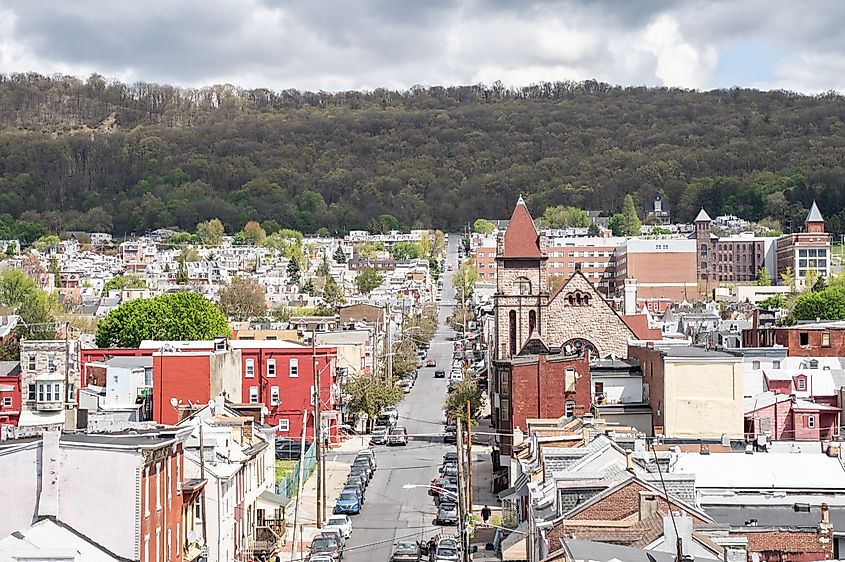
(268, 535)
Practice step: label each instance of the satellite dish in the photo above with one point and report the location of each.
(174, 402)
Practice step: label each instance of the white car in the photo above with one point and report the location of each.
(341, 523)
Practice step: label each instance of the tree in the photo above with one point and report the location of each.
(788, 278)
(293, 271)
(369, 279)
(593, 230)
(211, 232)
(828, 304)
(660, 231)
(438, 249)
(626, 223)
(369, 395)
(464, 281)
(253, 234)
(332, 296)
(366, 250)
(122, 282)
(460, 318)
(773, 302)
(406, 251)
(383, 224)
(242, 299)
(172, 316)
(563, 216)
(811, 277)
(339, 255)
(764, 279)
(35, 308)
(182, 271)
(49, 242)
(483, 226)
(15, 288)
(456, 401)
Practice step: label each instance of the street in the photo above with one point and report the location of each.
(391, 511)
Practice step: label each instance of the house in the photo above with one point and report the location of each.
(693, 392)
(784, 417)
(811, 339)
(122, 491)
(10, 397)
(50, 540)
(618, 393)
(50, 378)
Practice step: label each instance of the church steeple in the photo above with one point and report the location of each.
(814, 221)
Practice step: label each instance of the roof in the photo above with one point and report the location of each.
(50, 539)
(603, 552)
(771, 471)
(130, 362)
(814, 215)
(10, 368)
(702, 216)
(521, 239)
(775, 515)
(693, 352)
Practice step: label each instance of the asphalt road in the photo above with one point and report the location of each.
(390, 511)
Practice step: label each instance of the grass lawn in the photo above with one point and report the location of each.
(836, 252)
(283, 468)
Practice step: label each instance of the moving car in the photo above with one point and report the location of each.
(430, 363)
(341, 522)
(447, 514)
(326, 546)
(440, 374)
(406, 551)
(347, 503)
(398, 436)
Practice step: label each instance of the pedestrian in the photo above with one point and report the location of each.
(485, 515)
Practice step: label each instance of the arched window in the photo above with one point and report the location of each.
(532, 321)
(512, 331)
(521, 286)
(704, 250)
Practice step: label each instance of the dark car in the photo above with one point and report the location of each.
(327, 546)
(406, 551)
(439, 374)
(447, 514)
(364, 463)
(361, 471)
(450, 434)
(289, 449)
(450, 456)
(356, 482)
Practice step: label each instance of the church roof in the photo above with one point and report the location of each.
(521, 238)
(814, 215)
(702, 216)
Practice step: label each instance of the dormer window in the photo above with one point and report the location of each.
(801, 383)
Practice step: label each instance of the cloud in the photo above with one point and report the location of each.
(337, 44)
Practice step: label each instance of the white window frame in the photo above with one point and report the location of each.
(293, 369)
(801, 383)
(159, 491)
(7, 401)
(274, 396)
(271, 368)
(147, 495)
(811, 422)
(284, 425)
(253, 395)
(249, 368)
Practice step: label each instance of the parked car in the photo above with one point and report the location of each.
(289, 448)
(341, 522)
(449, 470)
(450, 434)
(449, 493)
(379, 436)
(447, 514)
(437, 484)
(440, 374)
(445, 554)
(356, 491)
(320, 558)
(360, 470)
(405, 385)
(347, 503)
(448, 542)
(326, 546)
(365, 464)
(334, 533)
(391, 410)
(369, 454)
(430, 363)
(385, 420)
(406, 551)
(398, 436)
(356, 482)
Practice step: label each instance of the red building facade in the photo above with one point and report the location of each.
(10, 397)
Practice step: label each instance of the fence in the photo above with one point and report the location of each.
(288, 486)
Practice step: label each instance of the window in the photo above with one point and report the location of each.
(271, 368)
(504, 411)
(147, 547)
(802, 383)
(147, 495)
(31, 362)
(250, 368)
(522, 286)
(31, 392)
(814, 364)
(253, 395)
(755, 364)
(169, 551)
(7, 402)
(532, 321)
(811, 422)
(159, 488)
(803, 338)
(775, 364)
(569, 408)
(512, 331)
(825, 339)
(41, 393)
(274, 395)
(284, 425)
(294, 367)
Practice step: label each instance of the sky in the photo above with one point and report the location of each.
(337, 45)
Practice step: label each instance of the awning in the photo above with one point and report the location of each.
(271, 500)
(33, 419)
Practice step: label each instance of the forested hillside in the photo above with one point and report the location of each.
(98, 155)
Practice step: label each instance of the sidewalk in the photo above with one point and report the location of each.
(482, 484)
(306, 519)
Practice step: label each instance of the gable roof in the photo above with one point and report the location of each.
(702, 216)
(814, 215)
(521, 239)
(578, 278)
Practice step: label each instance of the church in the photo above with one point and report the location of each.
(574, 318)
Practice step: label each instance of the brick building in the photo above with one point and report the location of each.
(805, 251)
(664, 269)
(815, 339)
(728, 258)
(10, 396)
(536, 385)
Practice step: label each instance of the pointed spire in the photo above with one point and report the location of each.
(814, 214)
(702, 216)
(520, 201)
(521, 239)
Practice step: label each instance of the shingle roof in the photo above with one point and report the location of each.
(521, 238)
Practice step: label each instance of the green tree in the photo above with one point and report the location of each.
(461, 316)
(563, 216)
(438, 249)
(253, 234)
(660, 231)
(406, 251)
(464, 281)
(332, 296)
(293, 270)
(787, 278)
(211, 232)
(49, 242)
(828, 304)
(15, 288)
(483, 226)
(626, 223)
(369, 395)
(172, 316)
(383, 224)
(773, 302)
(367, 250)
(339, 255)
(764, 279)
(182, 271)
(122, 282)
(593, 230)
(242, 299)
(456, 401)
(369, 279)
(811, 277)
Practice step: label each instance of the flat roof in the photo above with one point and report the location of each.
(129, 362)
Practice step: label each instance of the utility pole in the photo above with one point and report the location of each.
(299, 484)
(318, 438)
(469, 458)
(388, 375)
(462, 519)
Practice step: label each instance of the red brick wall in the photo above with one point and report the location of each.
(623, 503)
(164, 511)
(95, 375)
(183, 376)
(10, 414)
(538, 389)
(791, 338)
(779, 545)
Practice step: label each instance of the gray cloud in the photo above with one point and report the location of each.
(340, 44)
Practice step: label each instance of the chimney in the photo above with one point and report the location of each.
(48, 501)
(629, 299)
(648, 505)
(825, 514)
(629, 465)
